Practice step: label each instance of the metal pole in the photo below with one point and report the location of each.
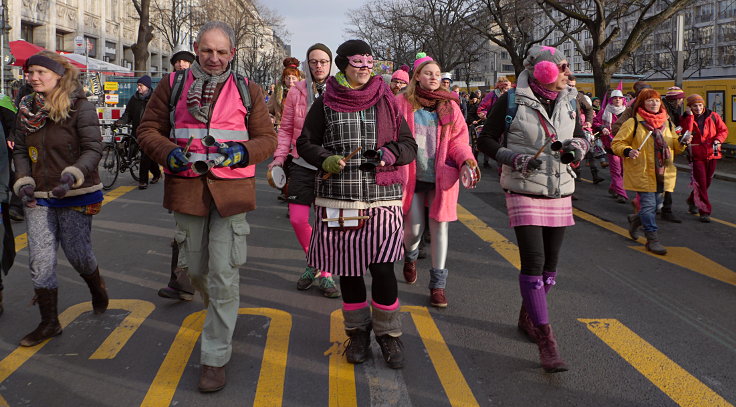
(2, 47)
(679, 49)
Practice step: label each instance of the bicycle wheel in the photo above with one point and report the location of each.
(135, 165)
(108, 166)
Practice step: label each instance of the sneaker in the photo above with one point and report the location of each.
(307, 278)
(437, 297)
(705, 218)
(410, 272)
(692, 208)
(392, 349)
(328, 288)
(621, 199)
(174, 294)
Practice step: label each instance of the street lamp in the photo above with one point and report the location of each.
(680, 49)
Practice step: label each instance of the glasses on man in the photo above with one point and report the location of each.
(318, 62)
(361, 61)
(398, 82)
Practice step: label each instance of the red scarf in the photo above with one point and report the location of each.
(439, 100)
(656, 120)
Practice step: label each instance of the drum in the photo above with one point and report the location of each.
(276, 177)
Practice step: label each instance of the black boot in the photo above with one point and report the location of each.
(49, 326)
(358, 329)
(596, 178)
(387, 327)
(99, 293)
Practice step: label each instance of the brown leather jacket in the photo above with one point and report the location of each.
(72, 146)
(195, 196)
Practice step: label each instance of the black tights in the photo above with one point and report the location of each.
(384, 291)
(539, 248)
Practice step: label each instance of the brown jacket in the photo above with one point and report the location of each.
(195, 196)
(71, 146)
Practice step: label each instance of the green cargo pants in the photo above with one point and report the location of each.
(214, 248)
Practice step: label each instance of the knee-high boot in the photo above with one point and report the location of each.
(99, 293)
(49, 326)
(534, 300)
(358, 329)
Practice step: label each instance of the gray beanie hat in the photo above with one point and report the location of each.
(542, 63)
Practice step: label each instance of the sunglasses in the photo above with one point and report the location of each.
(361, 61)
(563, 67)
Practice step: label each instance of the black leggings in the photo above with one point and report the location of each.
(385, 289)
(539, 248)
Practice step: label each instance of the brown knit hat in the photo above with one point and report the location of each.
(695, 98)
(291, 67)
(675, 93)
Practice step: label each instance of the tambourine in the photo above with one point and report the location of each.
(469, 177)
(276, 177)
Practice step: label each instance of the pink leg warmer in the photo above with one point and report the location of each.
(299, 218)
(352, 306)
(386, 307)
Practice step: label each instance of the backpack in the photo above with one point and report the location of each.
(241, 83)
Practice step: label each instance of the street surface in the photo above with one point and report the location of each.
(638, 330)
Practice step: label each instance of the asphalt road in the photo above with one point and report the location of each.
(636, 329)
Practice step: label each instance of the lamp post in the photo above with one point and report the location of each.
(679, 49)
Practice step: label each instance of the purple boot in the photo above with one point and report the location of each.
(534, 300)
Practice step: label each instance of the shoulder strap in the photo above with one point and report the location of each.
(176, 89)
(242, 83)
(511, 108)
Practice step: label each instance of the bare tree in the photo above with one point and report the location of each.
(171, 18)
(145, 35)
(512, 25)
(400, 28)
(617, 28)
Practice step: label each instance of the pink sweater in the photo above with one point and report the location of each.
(453, 149)
(292, 120)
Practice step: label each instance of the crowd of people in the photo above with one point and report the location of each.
(375, 161)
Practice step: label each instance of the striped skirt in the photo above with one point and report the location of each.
(349, 252)
(527, 211)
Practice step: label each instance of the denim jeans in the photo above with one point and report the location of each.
(648, 202)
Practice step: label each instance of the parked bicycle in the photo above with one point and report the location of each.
(121, 153)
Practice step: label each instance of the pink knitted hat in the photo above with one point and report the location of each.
(542, 63)
(402, 74)
(421, 58)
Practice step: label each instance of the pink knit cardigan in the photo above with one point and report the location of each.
(292, 120)
(452, 152)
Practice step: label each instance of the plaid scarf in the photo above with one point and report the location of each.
(32, 112)
(198, 100)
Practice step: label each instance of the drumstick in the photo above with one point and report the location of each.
(189, 144)
(542, 148)
(329, 174)
(645, 140)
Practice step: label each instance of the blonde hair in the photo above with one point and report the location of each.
(411, 89)
(59, 100)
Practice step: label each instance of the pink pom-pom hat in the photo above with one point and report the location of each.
(542, 63)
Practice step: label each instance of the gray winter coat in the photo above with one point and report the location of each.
(526, 135)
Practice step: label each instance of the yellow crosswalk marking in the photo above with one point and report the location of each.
(680, 256)
(498, 242)
(342, 374)
(270, 389)
(21, 241)
(674, 381)
(139, 310)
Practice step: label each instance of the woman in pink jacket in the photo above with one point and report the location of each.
(300, 174)
(439, 129)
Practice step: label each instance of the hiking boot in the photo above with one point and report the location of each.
(653, 244)
(621, 199)
(526, 326)
(669, 216)
(437, 297)
(211, 378)
(392, 349)
(705, 218)
(97, 288)
(174, 294)
(410, 271)
(358, 345)
(328, 288)
(634, 225)
(307, 278)
(549, 356)
(49, 326)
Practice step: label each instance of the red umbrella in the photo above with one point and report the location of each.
(22, 50)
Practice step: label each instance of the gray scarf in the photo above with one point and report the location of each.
(199, 100)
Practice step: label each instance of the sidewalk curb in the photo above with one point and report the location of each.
(718, 175)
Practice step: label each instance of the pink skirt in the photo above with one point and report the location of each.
(349, 252)
(527, 211)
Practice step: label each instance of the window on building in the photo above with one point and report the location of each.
(706, 55)
(705, 35)
(110, 51)
(112, 9)
(727, 55)
(726, 32)
(92, 46)
(726, 9)
(704, 13)
(60, 43)
(26, 32)
(507, 68)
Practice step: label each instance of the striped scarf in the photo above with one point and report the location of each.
(32, 113)
(198, 100)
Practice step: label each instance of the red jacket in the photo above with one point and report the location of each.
(702, 142)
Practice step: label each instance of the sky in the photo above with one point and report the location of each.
(311, 21)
